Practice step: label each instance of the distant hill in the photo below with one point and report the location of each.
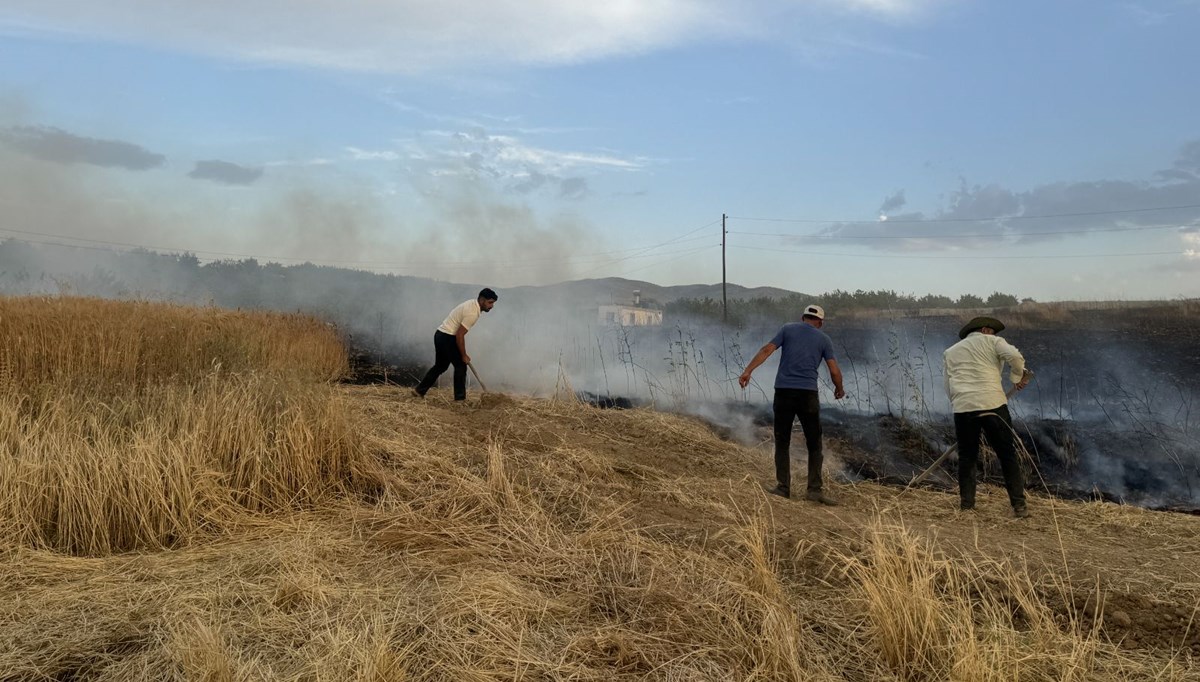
(620, 290)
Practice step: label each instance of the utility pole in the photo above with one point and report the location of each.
(724, 298)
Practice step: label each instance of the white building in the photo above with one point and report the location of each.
(631, 315)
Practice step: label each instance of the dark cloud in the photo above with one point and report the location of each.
(1189, 157)
(893, 202)
(225, 172)
(52, 144)
(1042, 213)
(1175, 175)
(981, 202)
(573, 188)
(476, 163)
(531, 181)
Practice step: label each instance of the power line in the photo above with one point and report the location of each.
(1031, 257)
(1165, 226)
(106, 249)
(1079, 214)
(651, 248)
(683, 254)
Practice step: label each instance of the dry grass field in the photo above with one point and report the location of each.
(185, 494)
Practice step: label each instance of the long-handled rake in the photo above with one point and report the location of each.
(937, 462)
(481, 385)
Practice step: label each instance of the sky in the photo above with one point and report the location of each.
(1049, 150)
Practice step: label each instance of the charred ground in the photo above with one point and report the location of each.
(1110, 416)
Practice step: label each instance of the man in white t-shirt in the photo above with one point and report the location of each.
(450, 344)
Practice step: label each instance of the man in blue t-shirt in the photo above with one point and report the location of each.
(804, 347)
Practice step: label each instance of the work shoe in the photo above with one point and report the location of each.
(1021, 512)
(818, 496)
(780, 491)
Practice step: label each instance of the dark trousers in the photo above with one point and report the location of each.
(445, 348)
(996, 426)
(791, 403)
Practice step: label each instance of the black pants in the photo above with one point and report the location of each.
(996, 426)
(445, 348)
(789, 404)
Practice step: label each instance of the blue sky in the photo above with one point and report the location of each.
(1038, 148)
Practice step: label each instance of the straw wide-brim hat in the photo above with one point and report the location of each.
(979, 323)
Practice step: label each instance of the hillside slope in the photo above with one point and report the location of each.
(530, 539)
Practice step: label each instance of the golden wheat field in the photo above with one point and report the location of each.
(188, 494)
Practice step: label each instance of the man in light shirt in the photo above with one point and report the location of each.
(450, 344)
(972, 371)
(804, 346)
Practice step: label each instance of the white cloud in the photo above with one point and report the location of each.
(416, 36)
(502, 156)
(510, 150)
(318, 161)
(505, 163)
(1144, 15)
(367, 155)
(891, 8)
(1191, 241)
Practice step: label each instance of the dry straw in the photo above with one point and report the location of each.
(257, 524)
(933, 618)
(138, 425)
(94, 475)
(98, 341)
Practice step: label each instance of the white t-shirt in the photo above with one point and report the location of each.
(464, 315)
(973, 368)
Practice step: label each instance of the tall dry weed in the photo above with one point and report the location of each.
(94, 474)
(199, 651)
(130, 425)
(937, 618)
(66, 340)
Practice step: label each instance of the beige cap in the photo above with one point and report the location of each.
(816, 311)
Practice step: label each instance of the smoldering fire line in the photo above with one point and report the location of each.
(1096, 424)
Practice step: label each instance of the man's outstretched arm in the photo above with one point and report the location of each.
(759, 358)
(835, 373)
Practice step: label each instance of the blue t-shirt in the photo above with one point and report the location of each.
(802, 347)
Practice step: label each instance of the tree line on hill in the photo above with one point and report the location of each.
(836, 301)
(357, 301)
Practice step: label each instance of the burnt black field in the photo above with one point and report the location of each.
(1112, 412)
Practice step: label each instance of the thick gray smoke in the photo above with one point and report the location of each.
(1112, 410)
(69, 187)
